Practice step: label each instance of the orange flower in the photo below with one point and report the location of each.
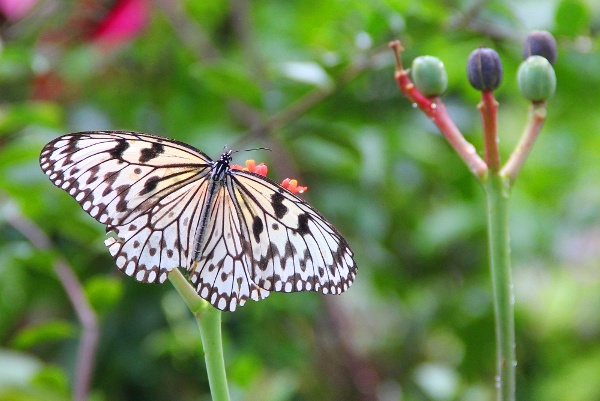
(251, 166)
(261, 169)
(292, 186)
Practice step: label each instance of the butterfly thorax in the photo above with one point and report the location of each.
(221, 166)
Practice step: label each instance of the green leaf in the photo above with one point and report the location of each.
(209, 13)
(103, 292)
(229, 81)
(52, 331)
(19, 115)
(572, 18)
(245, 369)
(335, 134)
(23, 378)
(52, 378)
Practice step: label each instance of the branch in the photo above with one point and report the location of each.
(188, 31)
(488, 108)
(435, 109)
(244, 33)
(193, 37)
(319, 94)
(86, 354)
(537, 116)
(361, 371)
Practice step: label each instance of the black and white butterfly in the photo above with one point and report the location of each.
(238, 234)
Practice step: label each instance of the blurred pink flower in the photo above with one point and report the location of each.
(15, 9)
(124, 21)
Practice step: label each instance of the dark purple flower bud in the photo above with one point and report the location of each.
(484, 69)
(540, 43)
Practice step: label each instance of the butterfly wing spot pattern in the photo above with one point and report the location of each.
(238, 234)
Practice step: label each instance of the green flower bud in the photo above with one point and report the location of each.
(484, 69)
(536, 79)
(429, 75)
(540, 43)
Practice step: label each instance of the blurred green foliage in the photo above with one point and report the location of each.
(313, 81)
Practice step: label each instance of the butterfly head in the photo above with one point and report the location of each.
(221, 166)
(226, 157)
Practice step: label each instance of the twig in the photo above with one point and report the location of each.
(257, 125)
(362, 373)
(189, 32)
(435, 109)
(537, 116)
(488, 108)
(314, 97)
(86, 354)
(90, 331)
(469, 19)
(243, 29)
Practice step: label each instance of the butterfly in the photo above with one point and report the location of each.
(167, 205)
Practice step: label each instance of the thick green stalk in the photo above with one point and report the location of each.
(209, 322)
(497, 194)
(497, 183)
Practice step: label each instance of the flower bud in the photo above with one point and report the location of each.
(540, 43)
(429, 75)
(536, 79)
(484, 69)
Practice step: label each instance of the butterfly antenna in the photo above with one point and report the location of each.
(249, 150)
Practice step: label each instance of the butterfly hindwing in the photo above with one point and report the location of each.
(294, 248)
(222, 272)
(161, 239)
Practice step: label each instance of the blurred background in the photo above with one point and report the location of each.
(313, 81)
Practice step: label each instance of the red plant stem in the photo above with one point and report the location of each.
(435, 109)
(488, 108)
(466, 150)
(537, 117)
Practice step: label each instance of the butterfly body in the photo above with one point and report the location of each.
(238, 234)
(218, 173)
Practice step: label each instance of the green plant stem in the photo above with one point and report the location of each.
(209, 322)
(497, 184)
(497, 195)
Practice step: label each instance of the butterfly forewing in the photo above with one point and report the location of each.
(144, 188)
(112, 173)
(153, 193)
